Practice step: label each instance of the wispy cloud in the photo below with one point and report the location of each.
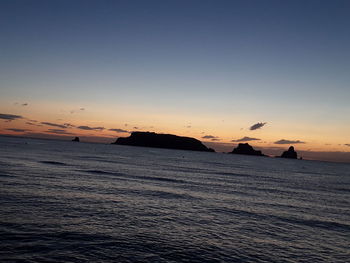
(188, 125)
(17, 130)
(32, 124)
(54, 125)
(21, 104)
(87, 128)
(59, 131)
(283, 141)
(10, 117)
(246, 139)
(208, 137)
(76, 110)
(211, 137)
(119, 130)
(68, 125)
(258, 125)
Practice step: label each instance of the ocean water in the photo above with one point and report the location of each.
(81, 202)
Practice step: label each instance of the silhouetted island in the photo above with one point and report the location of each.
(245, 148)
(169, 141)
(76, 139)
(291, 153)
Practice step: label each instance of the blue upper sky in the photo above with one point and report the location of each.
(264, 60)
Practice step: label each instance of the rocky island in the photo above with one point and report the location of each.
(245, 148)
(291, 153)
(169, 141)
(76, 139)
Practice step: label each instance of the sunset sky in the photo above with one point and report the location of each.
(204, 69)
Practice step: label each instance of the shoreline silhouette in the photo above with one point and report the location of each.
(171, 141)
(322, 156)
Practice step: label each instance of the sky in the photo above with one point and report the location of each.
(271, 73)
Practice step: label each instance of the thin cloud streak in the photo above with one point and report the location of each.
(17, 130)
(208, 137)
(59, 131)
(54, 125)
(87, 128)
(283, 141)
(119, 130)
(10, 117)
(33, 124)
(68, 125)
(246, 139)
(212, 138)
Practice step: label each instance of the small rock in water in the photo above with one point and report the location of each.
(291, 153)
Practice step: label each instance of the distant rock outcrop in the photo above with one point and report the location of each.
(169, 141)
(245, 148)
(291, 153)
(76, 139)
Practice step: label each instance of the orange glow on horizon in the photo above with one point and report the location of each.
(25, 127)
(223, 130)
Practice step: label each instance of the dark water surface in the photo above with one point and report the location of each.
(80, 202)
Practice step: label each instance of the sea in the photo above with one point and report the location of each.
(62, 201)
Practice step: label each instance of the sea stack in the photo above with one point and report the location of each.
(169, 141)
(76, 139)
(245, 148)
(291, 153)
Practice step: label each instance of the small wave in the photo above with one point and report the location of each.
(235, 174)
(186, 169)
(319, 223)
(329, 225)
(53, 163)
(90, 157)
(96, 172)
(162, 179)
(342, 189)
(101, 172)
(165, 194)
(150, 178)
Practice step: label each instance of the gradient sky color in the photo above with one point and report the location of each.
(191, 68)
